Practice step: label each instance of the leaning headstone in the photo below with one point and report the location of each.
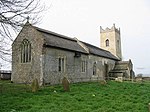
(35, 85)
(65, 84)
(103, 82)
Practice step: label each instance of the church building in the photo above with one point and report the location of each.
(49, 57)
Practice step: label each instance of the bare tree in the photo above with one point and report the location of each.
(13, 14)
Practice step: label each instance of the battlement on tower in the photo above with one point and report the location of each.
(113, 28)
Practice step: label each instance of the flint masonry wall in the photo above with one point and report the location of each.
(73, 66)
(26, 72)
(45, 60)
(113, 35)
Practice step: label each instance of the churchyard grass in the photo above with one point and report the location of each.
(83, 97)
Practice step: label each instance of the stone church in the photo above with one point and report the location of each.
(48, 57)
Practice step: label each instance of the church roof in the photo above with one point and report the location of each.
(100, 52)
(121, 66)
(63, 42)
(60, 41)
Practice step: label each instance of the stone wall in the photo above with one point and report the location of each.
(45, 60)
(73, 66)
(26, 72)
(113, 35)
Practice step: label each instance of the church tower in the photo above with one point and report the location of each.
(110, 40)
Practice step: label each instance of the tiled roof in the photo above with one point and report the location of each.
(100, 52)
(63, 42)
(60, 41)
(121, 66)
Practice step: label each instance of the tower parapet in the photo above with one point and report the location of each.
(111, 40)
(113, 28)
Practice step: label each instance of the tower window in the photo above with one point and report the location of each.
(118, 43)
(107, 43)
(25, 51)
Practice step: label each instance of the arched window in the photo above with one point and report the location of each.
(25, 51)
(94, 68)
(107, 43)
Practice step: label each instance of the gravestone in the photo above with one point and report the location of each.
(65, 84)
(103, 82)
(35, 85)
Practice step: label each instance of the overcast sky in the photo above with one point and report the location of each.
(82, 19)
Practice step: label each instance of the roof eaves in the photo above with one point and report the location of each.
(104, 56)
(46, 45)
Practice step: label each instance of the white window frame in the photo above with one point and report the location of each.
(61, 64)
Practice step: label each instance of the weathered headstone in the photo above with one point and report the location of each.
(35, 85)
(65, 84)
(103, 82)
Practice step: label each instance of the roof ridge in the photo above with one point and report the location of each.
(53, 33)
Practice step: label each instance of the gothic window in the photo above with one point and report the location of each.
(25, 51)
(107, 43)
(94, 68)
(83, 66)
(61, 64)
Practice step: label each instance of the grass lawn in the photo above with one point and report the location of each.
(83, 97)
